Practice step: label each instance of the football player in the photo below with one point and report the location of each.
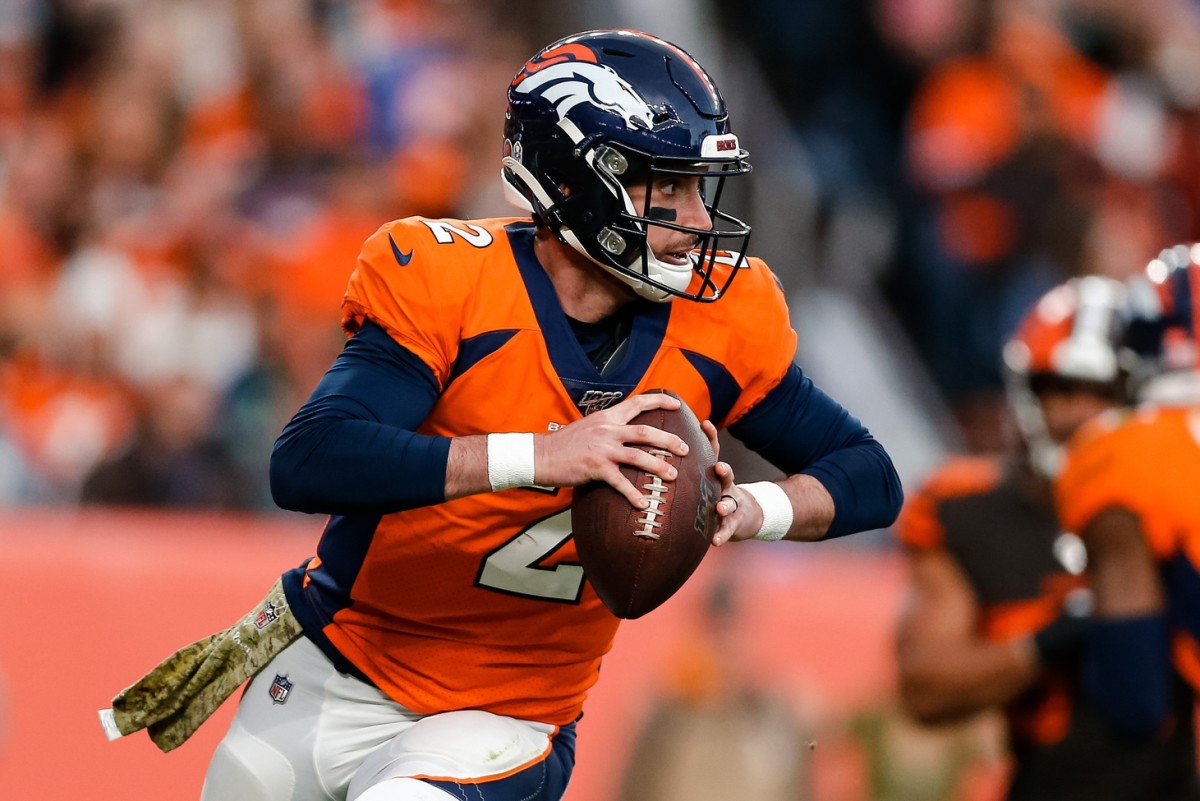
(1129, 487)
(998, 610)
(449, 633)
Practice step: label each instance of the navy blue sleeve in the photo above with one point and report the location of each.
(351, 448)
(1126, 673)
(800, 429)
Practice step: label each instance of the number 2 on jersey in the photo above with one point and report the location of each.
(516, 566)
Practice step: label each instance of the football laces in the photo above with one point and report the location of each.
(656, 494)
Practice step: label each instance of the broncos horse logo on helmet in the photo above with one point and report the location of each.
(566, 84)
(589, 115)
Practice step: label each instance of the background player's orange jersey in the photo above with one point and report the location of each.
(1147, 462)
(480, 602)
(977, 512)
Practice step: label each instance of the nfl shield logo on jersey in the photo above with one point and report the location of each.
(280, 689)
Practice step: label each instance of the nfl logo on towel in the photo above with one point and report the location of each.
(280, 689)
(266, 616)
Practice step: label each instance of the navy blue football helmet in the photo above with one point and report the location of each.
(1163, 330)
(591, 114)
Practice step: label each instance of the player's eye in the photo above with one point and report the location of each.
(668, 186)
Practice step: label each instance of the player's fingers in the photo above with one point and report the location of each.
(616, 479)
(656, 438)
(724, 472)
(731, 505)
(649, 463)
(728, 507)
(710, 431)
(724, 532)
(637, 404)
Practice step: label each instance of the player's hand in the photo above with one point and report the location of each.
(1065, 638)
(736, 509)
(594, 448)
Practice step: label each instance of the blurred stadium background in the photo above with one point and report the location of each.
(184, 185)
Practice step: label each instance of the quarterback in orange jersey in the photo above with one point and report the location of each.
(449, 635)
(1130, 488)
(998, 610)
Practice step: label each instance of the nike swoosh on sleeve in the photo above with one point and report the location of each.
(401, 256)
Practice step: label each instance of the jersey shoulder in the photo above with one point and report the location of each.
(1104, 452)
(415, 277)
(757, 280)
(1137, 460)
(747, 331)
(416, 252)
(919, 525)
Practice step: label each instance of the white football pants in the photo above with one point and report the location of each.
(305, 732)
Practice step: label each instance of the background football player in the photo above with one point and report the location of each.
(997, 615)
(1129, 487)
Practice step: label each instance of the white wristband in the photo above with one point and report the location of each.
(509, 461)
(776, 509)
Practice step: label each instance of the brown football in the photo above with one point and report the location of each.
(635, 559)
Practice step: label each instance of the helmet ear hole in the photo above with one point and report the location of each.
(561, 184)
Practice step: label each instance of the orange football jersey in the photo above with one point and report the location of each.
(1146, 461)
(480, 602)
(1006, 546)
(919, 525)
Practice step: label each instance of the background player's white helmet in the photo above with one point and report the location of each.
(1071, 336)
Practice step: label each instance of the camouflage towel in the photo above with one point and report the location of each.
(172, 700)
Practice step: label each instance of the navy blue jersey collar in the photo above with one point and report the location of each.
(577, 373)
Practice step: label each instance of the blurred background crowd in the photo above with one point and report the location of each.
(184, 185)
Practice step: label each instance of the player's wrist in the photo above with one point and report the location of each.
(510, 461)
(776, 507)
(1062, 640)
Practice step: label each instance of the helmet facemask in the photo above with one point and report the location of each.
(624, 245)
